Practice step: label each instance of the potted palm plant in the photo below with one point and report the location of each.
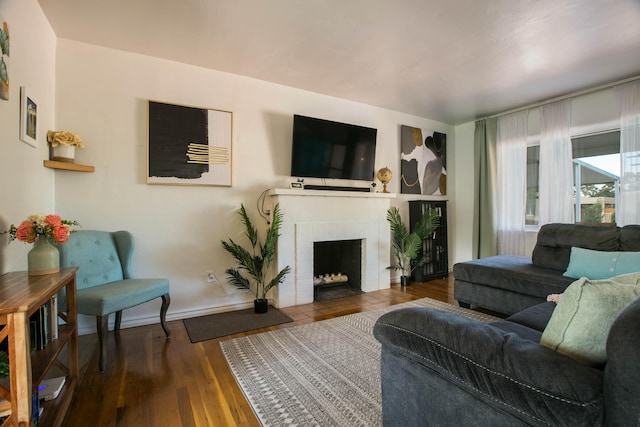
(406, 245)
(255, 261)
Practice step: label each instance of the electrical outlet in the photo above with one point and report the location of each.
(211, 277)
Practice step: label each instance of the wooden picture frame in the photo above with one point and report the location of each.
(28, 118)
(189, 145)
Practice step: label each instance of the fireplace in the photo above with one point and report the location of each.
(311, 216)
(337, 269)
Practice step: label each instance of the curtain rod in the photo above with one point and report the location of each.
(570, 95)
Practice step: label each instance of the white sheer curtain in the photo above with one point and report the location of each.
(556, 164)
(511, 195)
(628, 96)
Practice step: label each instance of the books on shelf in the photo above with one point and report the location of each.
(50, 389)
(5, 407)
(43, 324)
(53, 318)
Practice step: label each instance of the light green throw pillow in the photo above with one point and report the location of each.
(601, 264)
(580, 323)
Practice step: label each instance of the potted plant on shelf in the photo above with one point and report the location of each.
(63, 145)
(255, 262)
(406, 245)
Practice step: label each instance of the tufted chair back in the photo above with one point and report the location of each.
(102, 256)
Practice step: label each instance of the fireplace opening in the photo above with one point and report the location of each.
(337, 269)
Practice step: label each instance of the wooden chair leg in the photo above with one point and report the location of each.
(102, 325)
(116, 326)
(166, 300)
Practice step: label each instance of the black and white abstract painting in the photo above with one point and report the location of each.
(423, 161)
(189, 145)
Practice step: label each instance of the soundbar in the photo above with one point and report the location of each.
(332, 188)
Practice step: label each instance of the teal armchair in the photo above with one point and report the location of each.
(104, 281)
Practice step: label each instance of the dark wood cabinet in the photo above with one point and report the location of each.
(434, 246)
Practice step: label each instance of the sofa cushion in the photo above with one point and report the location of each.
(601, 265)
(535, 317)
(529, 323)
(514, 273)
(630, 238)
(554, 242)
(580, 324)
(520, 330)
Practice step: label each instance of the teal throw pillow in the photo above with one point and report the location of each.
(580, 323)
(597, 265)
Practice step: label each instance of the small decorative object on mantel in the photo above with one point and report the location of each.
(256, 261)
(44, 258)
(384, 175)
(299, 184)
(63, 146)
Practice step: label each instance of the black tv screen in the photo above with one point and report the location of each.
(327, 149)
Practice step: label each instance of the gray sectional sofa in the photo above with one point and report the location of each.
(509, 284)
(442, 369)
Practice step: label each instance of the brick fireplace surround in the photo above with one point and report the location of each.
(319, 215)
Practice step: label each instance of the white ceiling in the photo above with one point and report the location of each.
(448, 60)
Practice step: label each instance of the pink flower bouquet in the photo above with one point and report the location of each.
(51, 226)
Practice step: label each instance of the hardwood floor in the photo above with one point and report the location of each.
(152, 381)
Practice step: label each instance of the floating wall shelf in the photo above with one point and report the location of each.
(67, 166)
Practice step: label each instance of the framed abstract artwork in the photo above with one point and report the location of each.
(189, 145)
(423, 161)
(28, 118)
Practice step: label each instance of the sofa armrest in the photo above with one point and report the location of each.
(506, 372)
(622, 376)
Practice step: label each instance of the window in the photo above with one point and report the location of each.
(596, 160)
(533, 173)
(596, 163)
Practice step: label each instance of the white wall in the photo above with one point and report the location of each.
(460, 243)
(590, 113)
(102, 96)
(26, 186)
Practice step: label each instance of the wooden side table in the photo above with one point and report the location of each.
(22, 295)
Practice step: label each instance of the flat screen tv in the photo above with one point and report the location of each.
(327, 149)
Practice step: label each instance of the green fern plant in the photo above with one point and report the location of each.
(252, 269)
(405, 245)
(4, 364)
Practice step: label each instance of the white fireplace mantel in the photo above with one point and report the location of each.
(321, 215)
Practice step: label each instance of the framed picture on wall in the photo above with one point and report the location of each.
(4, 59)
(28, 118)
(423, 161)
(189, 145)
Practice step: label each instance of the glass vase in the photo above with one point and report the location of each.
(44, 258)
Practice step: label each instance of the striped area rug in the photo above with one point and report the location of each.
(318, 374)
